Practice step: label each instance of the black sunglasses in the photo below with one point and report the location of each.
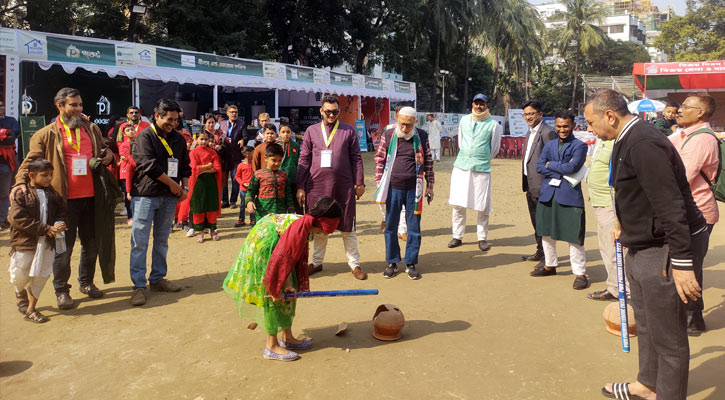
(331, 112)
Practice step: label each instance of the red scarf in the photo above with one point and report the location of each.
(292, 251)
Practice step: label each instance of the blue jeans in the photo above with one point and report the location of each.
(235, 186)
(393, 205)
(158, 211)
(242, 208)
(6, 177)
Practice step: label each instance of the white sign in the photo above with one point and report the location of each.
(103, 106)
(517, 123)
(12, 85)
(8, 43)
(322, 76)
(388, 85)
(33, 47)
(274, 70)
(188, 61)
(125, 54)
(29, 106)
(145, 55)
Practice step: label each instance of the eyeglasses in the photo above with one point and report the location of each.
(331, 112)
(686, 107)
(530, 114)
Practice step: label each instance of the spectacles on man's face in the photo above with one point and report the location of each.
(331, 112)
(686, 107)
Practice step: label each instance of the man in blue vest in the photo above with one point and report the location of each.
(479, 139)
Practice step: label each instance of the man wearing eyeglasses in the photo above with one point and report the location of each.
(134, 119)
(538, 135)
(699, 150)
(236, 134)
(330, 164)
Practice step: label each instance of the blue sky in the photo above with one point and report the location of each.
(677, 5)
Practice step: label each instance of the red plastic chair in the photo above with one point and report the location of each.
(446, 145)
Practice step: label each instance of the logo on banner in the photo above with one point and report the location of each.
(188, 61)
(34, 48)
(72, 51)
(144, 56)
(28, 105)
(652, 69)
(103, 106)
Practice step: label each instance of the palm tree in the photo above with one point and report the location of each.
(582, 33)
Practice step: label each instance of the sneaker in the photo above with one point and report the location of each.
(165, 285)
(239, 223)
(412, 273)
(190, 232)
(391, 270)
(185, 226)
(92, 291)
(138, 298)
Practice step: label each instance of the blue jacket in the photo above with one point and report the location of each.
(572, 158)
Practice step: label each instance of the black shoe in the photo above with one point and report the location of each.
(239, 223)
(92, 291)
(533, 257)
(454, 243)
(412, 273)
(4, 225)
(483, 245)
(543, 272)
(225, 205)
(696, 326)
(540, 265)
(233, 206)
(65, 302)
(391, 270)
(581, 283)
(603, 295)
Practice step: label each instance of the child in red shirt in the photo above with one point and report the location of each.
(126, 167)
(243, 177)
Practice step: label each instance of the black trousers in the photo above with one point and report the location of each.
(532, 202)
(79, 217)
(699, 251)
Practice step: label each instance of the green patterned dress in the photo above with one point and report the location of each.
(244, 282)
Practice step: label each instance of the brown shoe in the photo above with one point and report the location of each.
(313, 269)
(403, 237)
(165, 285)
(138, 298)
(359, 274)
(382, 227)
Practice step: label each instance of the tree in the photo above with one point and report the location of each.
(615, 57)
(697, 36)
(581, 33)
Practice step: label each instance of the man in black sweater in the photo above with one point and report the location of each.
(658, 222)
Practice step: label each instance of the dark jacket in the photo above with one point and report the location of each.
(566, 161)
(106, 195)
(239, 132)
(24, 217)
(664, 125)
(532, 182)
(652, 197)
(152, 160)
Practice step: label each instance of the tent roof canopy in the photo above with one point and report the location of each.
(705, 75)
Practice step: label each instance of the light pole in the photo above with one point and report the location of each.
(443, 102)
(136, 10)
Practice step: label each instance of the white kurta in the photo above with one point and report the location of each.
(434, 135)
(471, 189)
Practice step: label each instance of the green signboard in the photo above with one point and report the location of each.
(340, 79)
(208, 62)
(28, 126)
(300, 74)
(78, 51)
(402, 87)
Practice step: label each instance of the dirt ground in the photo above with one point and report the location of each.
(477, 325)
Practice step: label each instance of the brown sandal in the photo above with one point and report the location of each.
(200, 238)
(215, 236)
(21, 300)
(36, 316)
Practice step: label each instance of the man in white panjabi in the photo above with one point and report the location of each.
(479, 138)
(434, 137)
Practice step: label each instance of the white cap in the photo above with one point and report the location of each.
(408, 112)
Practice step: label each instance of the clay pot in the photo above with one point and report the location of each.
(388, 321)
(611, 317)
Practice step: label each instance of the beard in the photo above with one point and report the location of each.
(72, 122)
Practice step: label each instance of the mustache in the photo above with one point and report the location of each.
(73, 122)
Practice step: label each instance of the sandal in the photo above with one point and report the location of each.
(620, 391)
(21, 300)
(601, 295)
(36, 316)
(215, 236)
(200, 238)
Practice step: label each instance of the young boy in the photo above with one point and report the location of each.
(124, 150)
(290, 160)
(269, 190)
(270, 136)
(36, 217)
(244, 177)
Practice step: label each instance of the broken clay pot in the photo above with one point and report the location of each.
(388, 322)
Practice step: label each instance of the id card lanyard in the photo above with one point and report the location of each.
(77, 145)
(173, 163)
(328, 141)
(326, 154)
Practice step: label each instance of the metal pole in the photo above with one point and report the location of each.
(137, 100)
(276, 103)
(215, 104)
(131, 23)
(444, 94)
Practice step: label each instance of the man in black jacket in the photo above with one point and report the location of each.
(236, 135)
(161, 179)
(658, 222)
(538, 135)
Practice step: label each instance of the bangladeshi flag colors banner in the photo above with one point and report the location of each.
(680, 75)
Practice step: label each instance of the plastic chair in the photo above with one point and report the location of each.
(446, 145)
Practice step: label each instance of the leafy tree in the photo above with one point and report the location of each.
(697, 36)
(615, 57)
(552, 85)
(581, 33)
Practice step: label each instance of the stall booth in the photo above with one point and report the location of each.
(674, 81)
(113, 75)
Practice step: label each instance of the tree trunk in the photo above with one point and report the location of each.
(436, 70)
(576, 77)
(494, 81)
(466, 62)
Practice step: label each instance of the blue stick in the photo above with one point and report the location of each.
(623, 318)
(335, 293)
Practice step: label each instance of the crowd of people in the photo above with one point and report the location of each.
(648, 184)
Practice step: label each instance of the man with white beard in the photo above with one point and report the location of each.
(69, 143)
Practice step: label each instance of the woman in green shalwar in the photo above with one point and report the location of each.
(272, 262)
